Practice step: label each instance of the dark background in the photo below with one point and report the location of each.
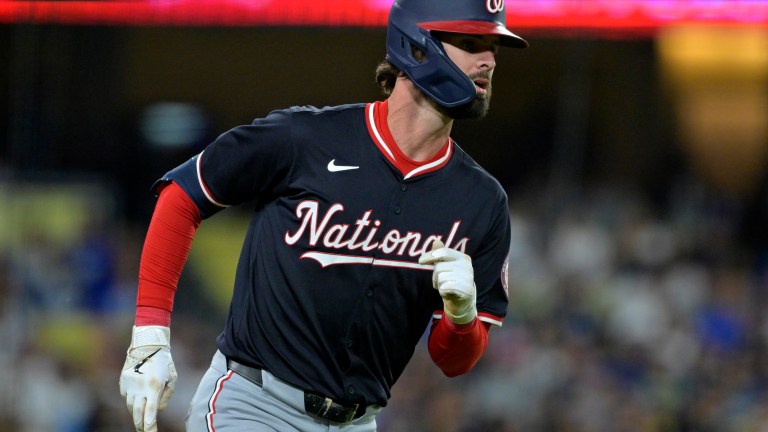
(584, 109)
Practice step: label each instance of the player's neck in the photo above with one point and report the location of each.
(418, 128)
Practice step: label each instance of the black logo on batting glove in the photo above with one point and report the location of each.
(141, 363)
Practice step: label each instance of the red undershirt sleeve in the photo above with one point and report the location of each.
(166, 248)
(455, 348)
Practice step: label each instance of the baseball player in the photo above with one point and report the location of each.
(360, 211)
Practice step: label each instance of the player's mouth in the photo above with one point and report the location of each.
(481, 84)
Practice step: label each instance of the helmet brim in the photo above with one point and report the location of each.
(507, 38)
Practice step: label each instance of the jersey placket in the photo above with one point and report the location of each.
(374, 280)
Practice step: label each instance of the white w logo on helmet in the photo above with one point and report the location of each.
(494, 6)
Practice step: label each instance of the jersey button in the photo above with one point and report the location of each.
(349, 343)
(397, 210)
(351, 389)
(403, 187)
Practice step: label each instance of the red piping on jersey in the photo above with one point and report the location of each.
(204, 187)
(482, 316)
(490, 319)
(456, 348)
(166, 248)
(376, 120)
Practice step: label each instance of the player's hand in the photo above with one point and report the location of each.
(454, 278)
(148, 375)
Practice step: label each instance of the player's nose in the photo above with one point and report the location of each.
(486, 60)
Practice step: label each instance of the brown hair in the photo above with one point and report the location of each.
(386, 75)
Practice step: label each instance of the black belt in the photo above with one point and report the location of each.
(251, 374)
(316, 405)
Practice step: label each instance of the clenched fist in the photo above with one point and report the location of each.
(454, 278)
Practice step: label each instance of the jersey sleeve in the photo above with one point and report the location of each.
(246, 163)
(490, 266)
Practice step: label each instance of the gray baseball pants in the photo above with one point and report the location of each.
(228, 402)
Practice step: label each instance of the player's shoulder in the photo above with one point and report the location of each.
(476, 175)
(310, 123)
(313, 111)
(309, 116)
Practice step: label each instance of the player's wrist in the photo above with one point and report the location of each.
(461, 309)
(152, 316)
(461, 316)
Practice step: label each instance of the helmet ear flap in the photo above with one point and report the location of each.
(440, 78)
(433, 73)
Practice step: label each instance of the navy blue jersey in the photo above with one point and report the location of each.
(329, 295)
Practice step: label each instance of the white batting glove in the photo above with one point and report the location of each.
(454, 278)
(148, 376)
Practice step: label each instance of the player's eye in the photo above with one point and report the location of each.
(468, 45)
(473, 45)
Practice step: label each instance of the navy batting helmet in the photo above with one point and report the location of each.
(410, 25)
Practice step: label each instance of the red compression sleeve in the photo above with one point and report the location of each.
(455, 348)
(166, 248)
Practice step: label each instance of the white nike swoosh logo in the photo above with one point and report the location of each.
(332, 167)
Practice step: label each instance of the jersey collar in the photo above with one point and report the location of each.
(376, 120)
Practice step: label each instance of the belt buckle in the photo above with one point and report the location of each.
(352, 412)
(325, 407)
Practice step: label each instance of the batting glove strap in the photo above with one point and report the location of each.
(150, 335)
(460, 311)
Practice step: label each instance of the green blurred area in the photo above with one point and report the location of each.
(57, 213)
(215, 252)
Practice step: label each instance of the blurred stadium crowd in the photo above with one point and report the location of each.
(624, 315)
